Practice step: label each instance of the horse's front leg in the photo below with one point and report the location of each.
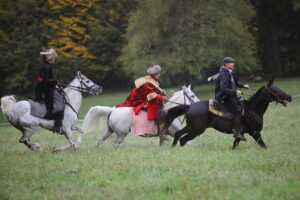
(76, 128)
(236, 143)
(70, 138)
(257, 137)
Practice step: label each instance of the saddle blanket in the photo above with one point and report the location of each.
(141, 125)
(220, 111)
(38, 108)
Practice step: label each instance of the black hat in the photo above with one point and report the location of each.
(228, 60)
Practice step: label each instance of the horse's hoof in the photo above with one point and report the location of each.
(55, 149)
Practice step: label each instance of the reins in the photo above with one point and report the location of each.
(83, 90)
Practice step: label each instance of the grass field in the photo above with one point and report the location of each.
(140, 169)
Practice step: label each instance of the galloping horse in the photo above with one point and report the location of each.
(198, 117)
(18, 113)
(118, 120)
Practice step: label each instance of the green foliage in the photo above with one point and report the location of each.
(107, 30)
(188, 38)
(21, 35)
(278, 36)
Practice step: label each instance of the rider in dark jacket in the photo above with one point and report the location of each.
(226, 91)
(46, 85)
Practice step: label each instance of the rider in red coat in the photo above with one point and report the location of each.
(147, 94)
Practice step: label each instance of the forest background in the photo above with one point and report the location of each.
(114, 41)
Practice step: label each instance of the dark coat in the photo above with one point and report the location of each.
(225, 88)
(46, 83)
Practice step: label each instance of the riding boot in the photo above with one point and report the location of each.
(237, 127)
(58, 123)
(49, 107)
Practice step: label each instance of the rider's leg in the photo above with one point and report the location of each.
(235, 107)
(58, 123)
(49, 102)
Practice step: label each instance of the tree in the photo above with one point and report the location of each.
(107, 31)
(21, 35)
(278, 36)
(189, 38)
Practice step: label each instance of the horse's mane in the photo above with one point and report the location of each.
(254, 99)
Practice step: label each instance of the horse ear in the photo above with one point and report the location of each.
(189, 87)
(78, 74)
(270, 83)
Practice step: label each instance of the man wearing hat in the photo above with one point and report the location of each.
(46, 85)
(147, 94)
(226, 91)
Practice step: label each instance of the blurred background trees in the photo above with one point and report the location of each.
(114, 41)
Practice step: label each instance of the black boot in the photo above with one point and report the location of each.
(58, 123)
(48, 116)
(237, 127)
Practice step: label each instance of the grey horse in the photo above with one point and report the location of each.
(18, 113)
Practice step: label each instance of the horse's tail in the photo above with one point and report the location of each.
(172, 114)
(6, 104)
(93, 118)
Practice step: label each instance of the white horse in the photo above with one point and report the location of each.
(118, 120)
(18, 113)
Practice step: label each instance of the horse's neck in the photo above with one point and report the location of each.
(177, 98)
(74, 96)
(261, 105)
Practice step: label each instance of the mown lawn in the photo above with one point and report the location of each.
(139, 169)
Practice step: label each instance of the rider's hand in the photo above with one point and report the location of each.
(165, 98)
(238, 92)
(246, 86)
(163, 92)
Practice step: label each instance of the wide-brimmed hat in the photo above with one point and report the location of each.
(155, 69)
(50, 54)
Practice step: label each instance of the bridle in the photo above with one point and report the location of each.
(83, 90)
(272, 96)
(185, 96)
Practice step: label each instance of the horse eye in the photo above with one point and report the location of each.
(88, 81)
(193, 96)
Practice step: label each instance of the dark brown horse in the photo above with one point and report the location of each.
(198, 117)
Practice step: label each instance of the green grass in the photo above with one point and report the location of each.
(139, 169)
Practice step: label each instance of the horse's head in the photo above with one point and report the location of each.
(189, 95)
(88, 86)
(274, 93)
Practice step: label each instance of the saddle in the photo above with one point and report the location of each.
(219, 109)
(38, 107)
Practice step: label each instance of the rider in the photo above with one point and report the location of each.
(46, 85)
(226, 91)
(147, 94)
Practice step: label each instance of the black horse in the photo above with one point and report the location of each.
(198, 116)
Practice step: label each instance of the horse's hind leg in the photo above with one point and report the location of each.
(118, 140)
(25, 139)
(257, 137)
(187, 138)
(106, 134)
(178, 134)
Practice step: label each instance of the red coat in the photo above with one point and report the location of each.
(144, 95)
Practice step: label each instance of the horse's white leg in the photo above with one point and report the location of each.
(104, 136)
(70, 138)
(76, 128)
(25, 139)
(29, 126)
(119, 140)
